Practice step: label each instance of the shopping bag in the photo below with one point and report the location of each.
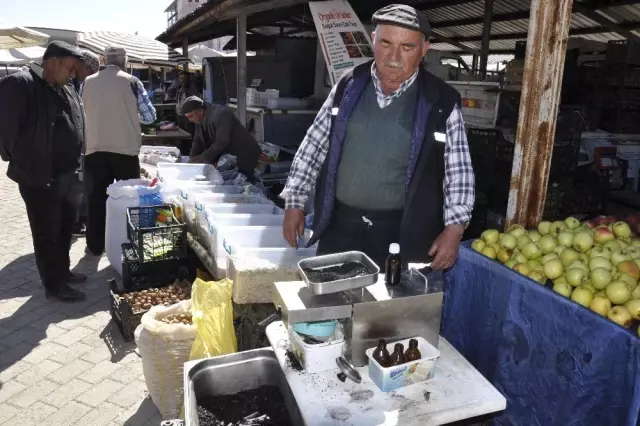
(212, 313)
(164, 348)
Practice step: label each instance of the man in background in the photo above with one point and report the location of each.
(219, 132)
(90, 66)
(41, 126)
(115, 105)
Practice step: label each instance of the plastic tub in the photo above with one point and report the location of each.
(183, 175)
(231, 239)
(212, 200)
(152, 155)
(217, 220)
(390, 378)
(319, 357)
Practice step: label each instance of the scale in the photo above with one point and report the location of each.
(367, 312)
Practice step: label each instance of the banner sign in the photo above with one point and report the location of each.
(344, 41)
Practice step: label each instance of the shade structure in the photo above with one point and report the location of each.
(22, 55)
(140, 50)
(14, 37)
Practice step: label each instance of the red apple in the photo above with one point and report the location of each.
(629, 268)
(591, 224)
(603, 234)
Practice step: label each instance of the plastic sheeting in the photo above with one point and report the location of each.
(556, 362)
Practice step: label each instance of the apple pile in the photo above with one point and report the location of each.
(597, 267)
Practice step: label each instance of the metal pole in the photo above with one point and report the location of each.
(486, 37)
(541, 84)
(185, 53)
(241, 39)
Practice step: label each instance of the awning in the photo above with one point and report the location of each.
(140, 50)
(21, 55)
(12, 37)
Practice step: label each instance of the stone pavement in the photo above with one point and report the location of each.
(61, 364)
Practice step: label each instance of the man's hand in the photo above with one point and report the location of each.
(293, 226)
(199, 159)
(445, 247)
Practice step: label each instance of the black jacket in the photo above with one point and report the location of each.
(222, 133)
(28, 112)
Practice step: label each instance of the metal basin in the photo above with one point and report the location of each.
(233, 373)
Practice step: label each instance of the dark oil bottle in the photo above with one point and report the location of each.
(397, 357)
(381, 354)
(393, 266)
(413, 353)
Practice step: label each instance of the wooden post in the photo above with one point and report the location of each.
(241, 60)
(541, 84)
(185, 53)
(486, 37)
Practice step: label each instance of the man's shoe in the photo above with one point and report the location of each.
(79, 230)
(76, 278)
(65, 294)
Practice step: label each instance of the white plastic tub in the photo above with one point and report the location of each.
(319, 357)
(231, 239)
(216, 220)
(390, 378)
(203, 201)
(255, 270)
(184, 175)
(152, 155)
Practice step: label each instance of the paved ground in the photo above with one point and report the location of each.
(61, 364)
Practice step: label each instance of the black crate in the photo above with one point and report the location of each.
(122, 312)
(138, 275)
(151, 242)
(623, 52)
(482, 147)
(620, 121)
(478, 223)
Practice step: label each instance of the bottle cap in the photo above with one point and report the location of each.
(394, 248)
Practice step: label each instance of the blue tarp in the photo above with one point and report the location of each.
(556, 363)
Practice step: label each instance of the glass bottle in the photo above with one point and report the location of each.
(413, 353)
(397, 357)
(381, 354)
(393, 265)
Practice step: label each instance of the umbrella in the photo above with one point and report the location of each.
(140, 50)
(11, 37)
(21, 55)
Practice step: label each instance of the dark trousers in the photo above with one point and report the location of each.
(370, 232)
(52, 213)
(100, 170)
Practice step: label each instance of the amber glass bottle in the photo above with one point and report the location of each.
(413, 353)
(397, 357)
(381, 354)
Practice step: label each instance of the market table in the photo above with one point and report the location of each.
(556, 362)
(162, 137)
(457, 392)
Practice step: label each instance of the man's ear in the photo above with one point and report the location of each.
(425, 48)
(373, 36)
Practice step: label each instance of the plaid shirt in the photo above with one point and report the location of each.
(458, 186)
(146, 110)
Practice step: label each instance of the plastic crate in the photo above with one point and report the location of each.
(138, 275)
(478, 223)
(482, 148)
(151, 242)
(620, 121)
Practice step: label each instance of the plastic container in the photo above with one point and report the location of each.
(151, 242)
(217, 220)
(316, 358)
(231, 239)
(184, 175)
(212, 200)
(152, 155)
(390, 378)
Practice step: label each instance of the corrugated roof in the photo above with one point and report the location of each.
(461, 21)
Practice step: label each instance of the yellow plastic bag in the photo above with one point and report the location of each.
(212, 313)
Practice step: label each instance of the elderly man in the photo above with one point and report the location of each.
(89, 67)
(115, 104)
(219, 132)
(387, 156)
(41, 125)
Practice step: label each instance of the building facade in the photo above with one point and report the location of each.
(178, 9)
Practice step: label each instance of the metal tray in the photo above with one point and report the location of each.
(338, 259)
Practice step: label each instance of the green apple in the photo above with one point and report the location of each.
(572, 222)
(538, 276)
(522, 241)
(600, 252)
(490, 252)
(583, 241)
(532, 251)
(490, 236)
(520, 258)
(516, 230)
(621, 316)
(600, 278)
(578, 264)
(618, 292)
(478, 245)
(553, 269)
(547, 257)
(622, 230)
(563, 289)
(547, 244)
(565, 238)
(576, 277)
(600, 305)
(557, 227)
(510, 263)
(619, 256)
(600, 262)
(568, 256)
(544, 227)
(612, 245)
(633, 306)
(523, 268)
(535, 235)
(508, 241)
(582, 296)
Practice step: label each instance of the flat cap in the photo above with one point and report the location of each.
(91, 61)
(60, 49)
(115, 51)
(190, 104)
(404, 16)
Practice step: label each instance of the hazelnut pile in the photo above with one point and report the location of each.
(177, 319)
(167, 296)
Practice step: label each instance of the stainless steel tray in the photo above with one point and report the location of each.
(328, 260)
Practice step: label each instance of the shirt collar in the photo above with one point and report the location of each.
(37, 69)
(399, 91)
